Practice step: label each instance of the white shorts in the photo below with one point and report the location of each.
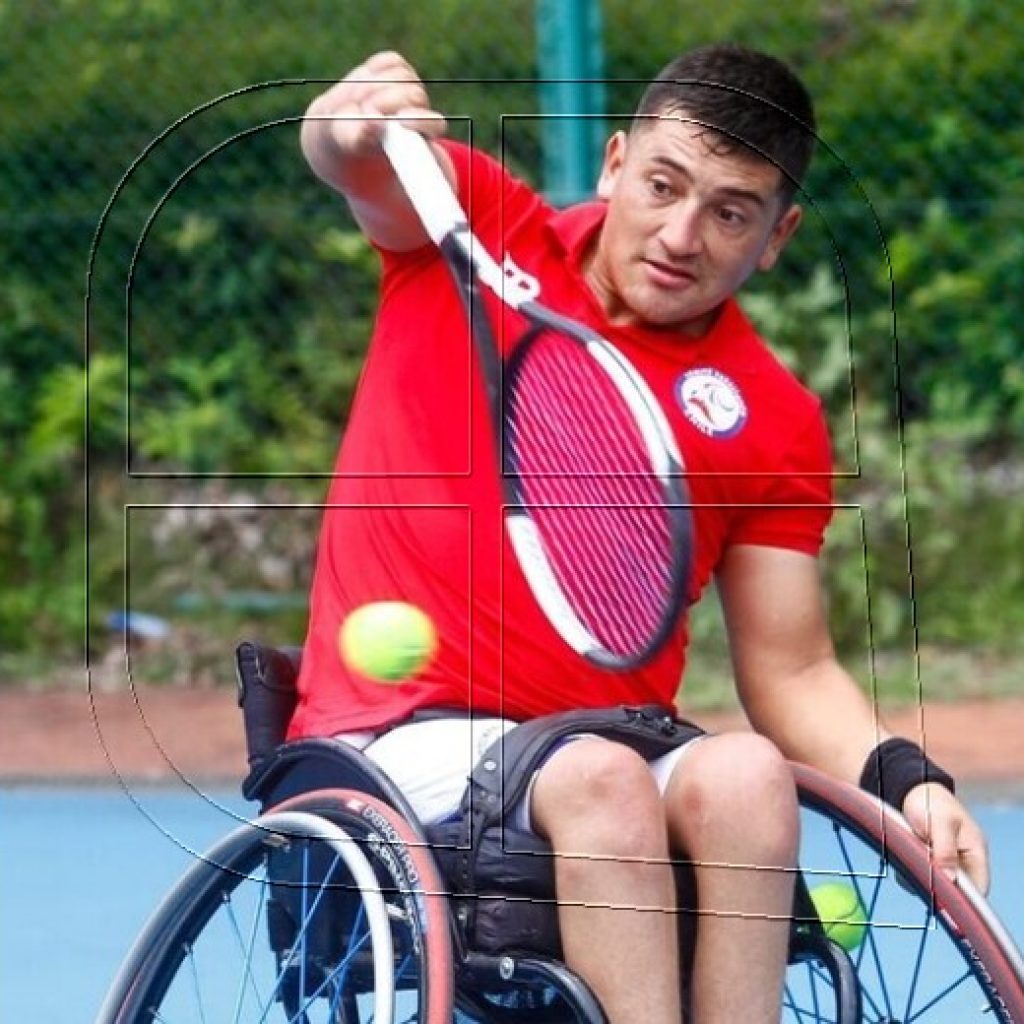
(431, 761)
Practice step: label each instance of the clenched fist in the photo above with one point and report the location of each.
(345, 121)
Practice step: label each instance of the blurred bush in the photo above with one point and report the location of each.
(151, 163)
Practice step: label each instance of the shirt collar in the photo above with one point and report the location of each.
(575, 226)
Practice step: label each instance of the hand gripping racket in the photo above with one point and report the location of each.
(595, 502)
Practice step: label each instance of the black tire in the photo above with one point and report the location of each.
(288, 881)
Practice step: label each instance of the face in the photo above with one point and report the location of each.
(685, 226)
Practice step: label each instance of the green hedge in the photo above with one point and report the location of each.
(238, 343)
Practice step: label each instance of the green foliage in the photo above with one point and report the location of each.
(231, 297)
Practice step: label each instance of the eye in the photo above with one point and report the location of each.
(732, 217)
(659, 187)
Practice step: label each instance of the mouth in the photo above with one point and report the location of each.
(668, 275)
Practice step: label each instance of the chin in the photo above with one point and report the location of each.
(665, 314)
(687, 320)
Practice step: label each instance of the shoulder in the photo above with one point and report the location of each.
(783, 450)
(755, 416)
(763, 363)
(488, 189)
(781, 402)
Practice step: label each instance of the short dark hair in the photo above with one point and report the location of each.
(748, 99)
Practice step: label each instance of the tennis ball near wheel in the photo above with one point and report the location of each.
(387, 640)
(841, 912)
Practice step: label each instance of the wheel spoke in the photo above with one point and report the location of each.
(914, 965)
(339, 970)
(297, 952)
(953, 967)
(247, 947)
(940, 996)
(870, 943)
(196, 987)
(915, 976)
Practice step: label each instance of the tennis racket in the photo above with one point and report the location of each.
(596, 507)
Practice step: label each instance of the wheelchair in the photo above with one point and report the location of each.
(336, 905)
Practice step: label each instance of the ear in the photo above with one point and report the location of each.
(784, 229)
(614, 158)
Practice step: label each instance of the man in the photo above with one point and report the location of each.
(694, 199)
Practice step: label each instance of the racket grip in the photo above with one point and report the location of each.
(424, 182)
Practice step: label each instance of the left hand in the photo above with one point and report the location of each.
(944, 824)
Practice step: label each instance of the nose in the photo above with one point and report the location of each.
(681, 233)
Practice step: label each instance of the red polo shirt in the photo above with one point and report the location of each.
(414, 508)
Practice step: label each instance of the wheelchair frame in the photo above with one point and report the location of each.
(340, 949)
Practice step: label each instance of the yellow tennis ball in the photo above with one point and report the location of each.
(387, 640)
(841, 912)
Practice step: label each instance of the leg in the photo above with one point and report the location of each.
(598, 805)
(731, 807)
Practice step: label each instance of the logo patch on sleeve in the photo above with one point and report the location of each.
(711, 402)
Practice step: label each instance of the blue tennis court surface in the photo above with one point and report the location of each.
(81, 869)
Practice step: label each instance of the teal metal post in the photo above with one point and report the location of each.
(571, 65)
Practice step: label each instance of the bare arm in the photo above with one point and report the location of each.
(341, 140)
(796, 693)
(789, 681)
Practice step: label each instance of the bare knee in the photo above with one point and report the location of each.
(734, 796)
(598, 797)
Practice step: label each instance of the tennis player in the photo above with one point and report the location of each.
(693, 199)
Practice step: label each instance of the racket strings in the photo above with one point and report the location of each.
(584, 473)
(560, 388)
(619, 599)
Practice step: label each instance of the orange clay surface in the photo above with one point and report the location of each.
(154, 734)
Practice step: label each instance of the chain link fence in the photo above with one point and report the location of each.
(154, 193)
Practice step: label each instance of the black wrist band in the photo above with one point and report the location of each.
(895, 767)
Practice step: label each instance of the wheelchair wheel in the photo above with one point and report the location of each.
(318, 912)
(932, 951)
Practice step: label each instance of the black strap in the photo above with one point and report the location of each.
(501, 775)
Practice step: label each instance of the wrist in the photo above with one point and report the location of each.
(896, 766)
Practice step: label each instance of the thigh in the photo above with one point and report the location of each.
(664, 768)
(726, 767)
(661, 769)
(734, 799)
(431, 761)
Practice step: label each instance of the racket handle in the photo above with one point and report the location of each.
(423, 180)
(445, 221)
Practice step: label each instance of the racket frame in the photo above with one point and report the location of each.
(447, 225)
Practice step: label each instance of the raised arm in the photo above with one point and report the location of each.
(796, 693)
(341, 140)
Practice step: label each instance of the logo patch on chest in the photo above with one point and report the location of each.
(711, 402)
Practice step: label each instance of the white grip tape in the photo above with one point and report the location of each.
(438, 208)
(423, 180)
